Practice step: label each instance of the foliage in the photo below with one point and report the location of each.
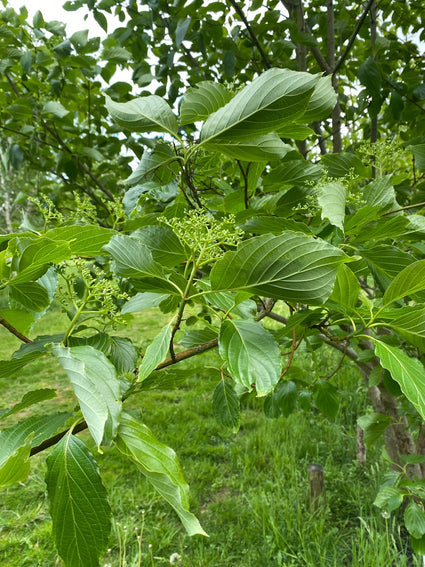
(222, 225)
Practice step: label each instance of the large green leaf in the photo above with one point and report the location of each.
(29, 399)
(16, 467)
(386, 262)
(37, 256)
(225, 404)
(265, 148)
(408, 372)
(161, 157)
(96, 386)
(414, 519)
(156, 351)
(123, 354)
(163, 243)
(326, 398)
(289, 266)
(321, 102)
(275, 98)
(132, 259)
(202, 100)
(252, 355)
(144, 114)
(346, 289)
(83, 240)
(294, 172)
(142, 301)
(159, 464)
(331, 199)
(282, 401)
(380, 193)
(30, 295)
(408, 281)
(16, 443)
(78, 504)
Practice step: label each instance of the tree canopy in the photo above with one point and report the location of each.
(280, 155)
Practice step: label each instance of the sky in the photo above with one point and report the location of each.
(52, 10)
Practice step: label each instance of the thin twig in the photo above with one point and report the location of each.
(254, 38)
(14, 331)
(353, 37)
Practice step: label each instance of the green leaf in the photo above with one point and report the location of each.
(30, 295)
(26, 62)
(17, 466)
(159, 464)
(16, 443)
(161, 157)
(389, 498)
(116, 54)
(37, 257)
(202, 100)
(380, 193)
(163, 244)
(283, 401)
(29, 399)
(39, 427)
(347, 288)
(290, 266)
(386, 262)
(370, 76)
(197, 337)
(408, 372)
(145, 114)
(414, 519)
(252, 355)
(56, 108)
(78, 504)
(296, 132)
(10, 367)
(321, 102)
(83, 240)
(265, 148)
(123, 354)
(96, 386)
(275, 98)
(156, 351)
(408, 281)
(331, 199)
(225, 405)
(373, 425)
(181, 29)
(410, 322)
(132, 259)
(338, 165)
(292, 173)
(142, 301)
(419, 154)
(326, 398)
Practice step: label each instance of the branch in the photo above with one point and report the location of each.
(254, 38)
(14, 331)
(167, 362)
(353, 37)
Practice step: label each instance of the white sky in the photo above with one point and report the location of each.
(52, 10)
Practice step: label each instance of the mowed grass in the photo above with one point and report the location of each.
(249, 490)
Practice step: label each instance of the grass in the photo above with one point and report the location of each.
(249, 490)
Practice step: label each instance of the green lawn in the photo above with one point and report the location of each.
(249, 490)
